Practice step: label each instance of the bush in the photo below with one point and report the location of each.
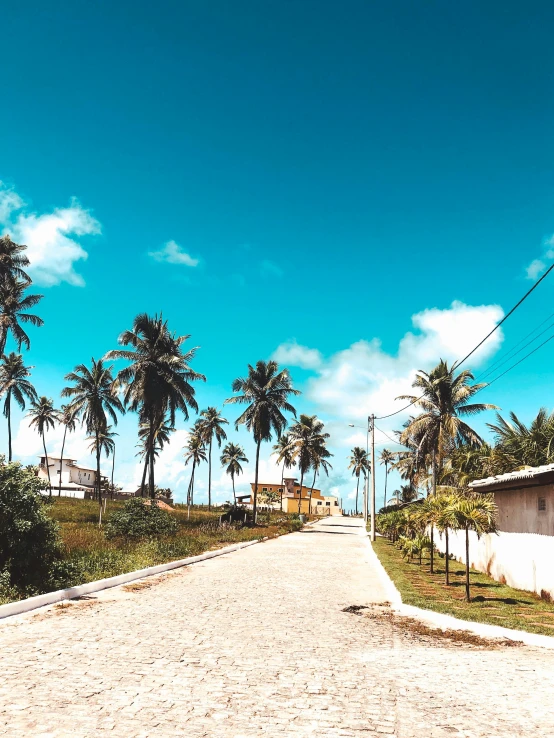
(30, 548)
(137, 520)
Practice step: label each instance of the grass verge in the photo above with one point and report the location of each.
(492, 602)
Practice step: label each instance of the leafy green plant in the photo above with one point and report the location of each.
(137, 520)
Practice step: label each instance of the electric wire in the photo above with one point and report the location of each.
(512, 355)
(496, 327)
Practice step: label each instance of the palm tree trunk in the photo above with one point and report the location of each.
(300, 494)
(151, 480)
(47, 467)
(431, 550)
(143, 483)
(98, 477)
(446, 560)
(113, 467)
(3, 338)
(189, 493)
(234, 495)
(467, 564)
(311, 492)
(256, 481)
(386, 480)
(282, 484)
(9, 417)
(357, 491)
(61, 462)
(210, 476)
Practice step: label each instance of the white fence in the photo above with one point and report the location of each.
(522, 560)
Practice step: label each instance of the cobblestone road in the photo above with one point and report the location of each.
(256, 644)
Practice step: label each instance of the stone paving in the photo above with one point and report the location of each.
(255, 643)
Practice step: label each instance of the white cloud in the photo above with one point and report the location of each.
(27, 444)
(172, 253)
(51, 238)
(538, 266)
(296, 355)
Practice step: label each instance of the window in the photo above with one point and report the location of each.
(280, 489)
(328, 504)
(58, 472)
(542, 504)
(336, 503)
(264, 489)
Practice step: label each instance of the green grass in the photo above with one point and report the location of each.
(492, 602)
(95, 557)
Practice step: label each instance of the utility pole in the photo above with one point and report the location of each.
(366, 485)
(372, 420)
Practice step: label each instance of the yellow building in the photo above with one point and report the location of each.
(289, 495)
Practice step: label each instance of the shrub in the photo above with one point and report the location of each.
(30, 547)
(137, 520)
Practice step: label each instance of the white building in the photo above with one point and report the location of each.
(76, 480)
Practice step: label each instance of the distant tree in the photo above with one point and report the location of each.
(195, 451)
(360, 464)
(94, 397)
(69, 421)
(387, 458)
(160, 437)
(266, 391)
(283, 449)
(308, 441)
(14, 384)
(106, 443)
(211, 422)
(43, 418)
(232, 457)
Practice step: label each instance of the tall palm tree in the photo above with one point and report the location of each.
(12, 260)
(13, 312)
(320, 455)
(231, 457)
(211, 424)
(266, 391)
(196, 452)
(443, 397)
(360, 464)
(94, 398)
(14, 384)
(43, 417)
(308, 443)
(158, 379)
(283, 450)
(68, 419)
(386, 457)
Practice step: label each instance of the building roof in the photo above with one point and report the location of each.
(531, 472)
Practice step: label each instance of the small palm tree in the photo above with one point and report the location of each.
(320, 455)
(231, 457)
(360, 464)
(68, 419)
(283, 450)
(94, 397)
(14, 384)
(473, 513)
(211, 424)
(160, 437)
(266, 391)
(43, 417)
(386, 457)
(308, 440)
(195, 452)
(106, 443)
(13, 311)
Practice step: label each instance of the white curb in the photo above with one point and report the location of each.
(31, 603)
(449, 622)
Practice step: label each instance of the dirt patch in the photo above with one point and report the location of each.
(138, 586)
(435, 636)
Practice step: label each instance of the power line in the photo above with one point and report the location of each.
(496, 327)
(512, 354)
(390, 439)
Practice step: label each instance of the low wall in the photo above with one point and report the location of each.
(522, 560)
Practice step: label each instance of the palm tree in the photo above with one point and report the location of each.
(68, 419)
(265, 390)
(443, 399)
(195, 452)
(319, 454)
(386, 457)
(43, 417)
(283, 450)
(13, 311)
(308, 441)
(360, 464)
(232, 456)
(14, 383)
(160, 437)
(158, 379)
(106, 443)
(473, 513)
(525, 445)
(93, 398)
(211, 422)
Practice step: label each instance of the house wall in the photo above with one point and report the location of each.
(522, 560)
(327, 506)
(518, 510)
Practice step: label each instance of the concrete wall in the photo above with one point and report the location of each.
(522, 560)
(518, 509)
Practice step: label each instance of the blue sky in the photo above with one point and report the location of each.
(322, 172)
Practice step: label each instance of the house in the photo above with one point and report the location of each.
(522, 552)
(290, 494)
(77, 481)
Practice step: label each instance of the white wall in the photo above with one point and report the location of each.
(524, 560)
